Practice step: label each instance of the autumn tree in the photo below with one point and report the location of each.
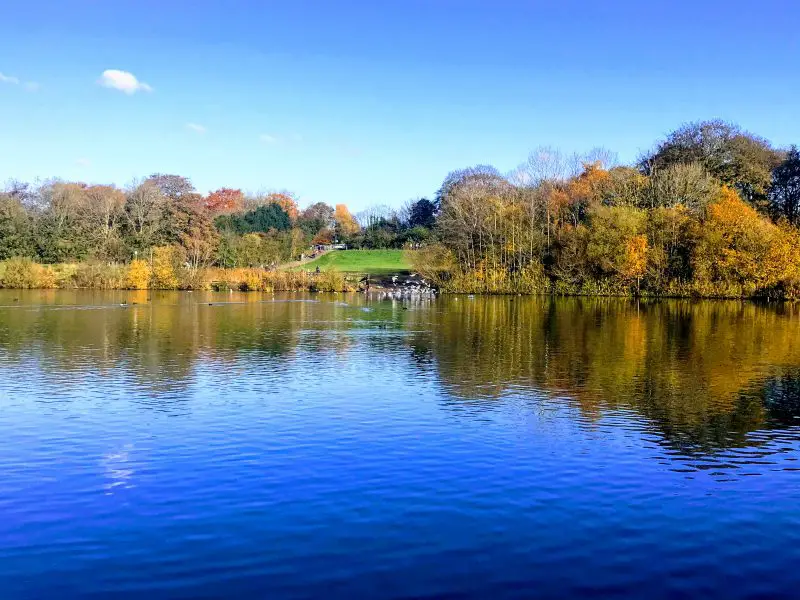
(259, 249)
(634, 264)
(570, 263)
(297, 240)
(585, 190)
(316, 217)
(24, 193)
(616, 242)
(187, 225)
(250, 250)
(624, 186)
(738, 246)
(346, 225)
(165, 266)
(323, 236)
(470, 199)
(541, 182)
(224, 201)
(287, 202)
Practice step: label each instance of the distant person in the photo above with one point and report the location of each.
(317, 270)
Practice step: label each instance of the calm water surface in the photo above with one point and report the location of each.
(338, 446)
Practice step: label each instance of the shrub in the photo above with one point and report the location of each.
(99, 276)
(329, 281)
(253, 281)
(45, 277)
(19, 274)
(138, 275)
(165, 266)
(194, 279)
(288, 281)
(23, 273)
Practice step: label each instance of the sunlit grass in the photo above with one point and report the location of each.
(374, 262)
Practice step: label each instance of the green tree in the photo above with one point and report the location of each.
(614, 246)
(784, 193)
(262, 219)
(62, 231)
(422, 213)
(16, 229)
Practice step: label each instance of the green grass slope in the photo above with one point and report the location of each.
(374, 262)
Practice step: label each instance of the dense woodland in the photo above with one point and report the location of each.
(712, 210)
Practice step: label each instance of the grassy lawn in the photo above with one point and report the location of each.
(374, 262)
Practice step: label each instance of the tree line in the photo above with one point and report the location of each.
(65, 222)
(712, 210)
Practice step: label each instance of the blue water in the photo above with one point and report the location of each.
(339, 447)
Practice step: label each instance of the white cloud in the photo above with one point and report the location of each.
(31, 86)
(8, 79)
(196, 128)
(83, 162)
(123, 81)
(268, 139)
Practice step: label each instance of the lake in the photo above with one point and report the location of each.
(283, 446)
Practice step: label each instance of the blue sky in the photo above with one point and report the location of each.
(375, 102)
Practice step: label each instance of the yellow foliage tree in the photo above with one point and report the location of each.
(738, 246)
(138, 275)
(345, 223)
(635, 262)
(164, 268)
(616, 244)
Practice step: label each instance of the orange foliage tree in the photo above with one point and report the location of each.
(737, 245)
(324, 236)
(346, 224)
(224, 201)
(585, 190)
(286, 202)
